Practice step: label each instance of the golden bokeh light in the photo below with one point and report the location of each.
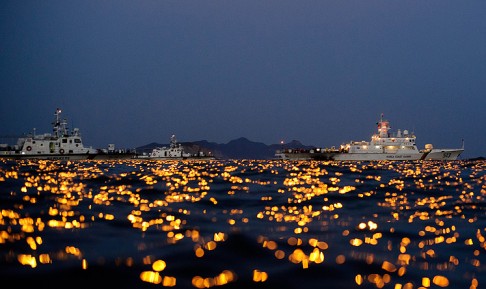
(383, 224)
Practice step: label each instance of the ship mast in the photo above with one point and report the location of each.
(383, 127)
(56, 125)
(59, 126)
(173, 141)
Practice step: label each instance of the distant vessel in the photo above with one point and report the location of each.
(383, 146)
(60, 145)
(175, 151)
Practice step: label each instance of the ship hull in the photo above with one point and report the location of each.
(376, 157)
(64, 157)
(351, 157)
(435, 154)
(67, 157)
(304, 156)
(444, 154)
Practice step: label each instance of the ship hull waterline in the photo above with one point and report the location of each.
(67, 157)
(451, 154)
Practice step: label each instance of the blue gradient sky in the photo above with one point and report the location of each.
(322, 72)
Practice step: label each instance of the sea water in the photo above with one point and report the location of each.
(243, 224)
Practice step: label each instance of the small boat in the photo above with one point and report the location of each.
(383, 145)
(175, 151)
(60, 145)
(431, 153)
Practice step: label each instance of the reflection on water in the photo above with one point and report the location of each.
(241, 224)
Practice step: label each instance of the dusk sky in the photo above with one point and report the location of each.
(321, 72)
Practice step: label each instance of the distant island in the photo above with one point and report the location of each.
(241, 148)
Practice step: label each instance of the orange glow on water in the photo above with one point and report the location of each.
(307, 215)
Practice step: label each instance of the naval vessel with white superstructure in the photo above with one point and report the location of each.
(383, 145)
(61, 144)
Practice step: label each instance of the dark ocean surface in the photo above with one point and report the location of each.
(243, 224)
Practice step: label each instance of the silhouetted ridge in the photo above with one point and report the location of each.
(240, 148)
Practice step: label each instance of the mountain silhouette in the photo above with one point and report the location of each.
(241, 148)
